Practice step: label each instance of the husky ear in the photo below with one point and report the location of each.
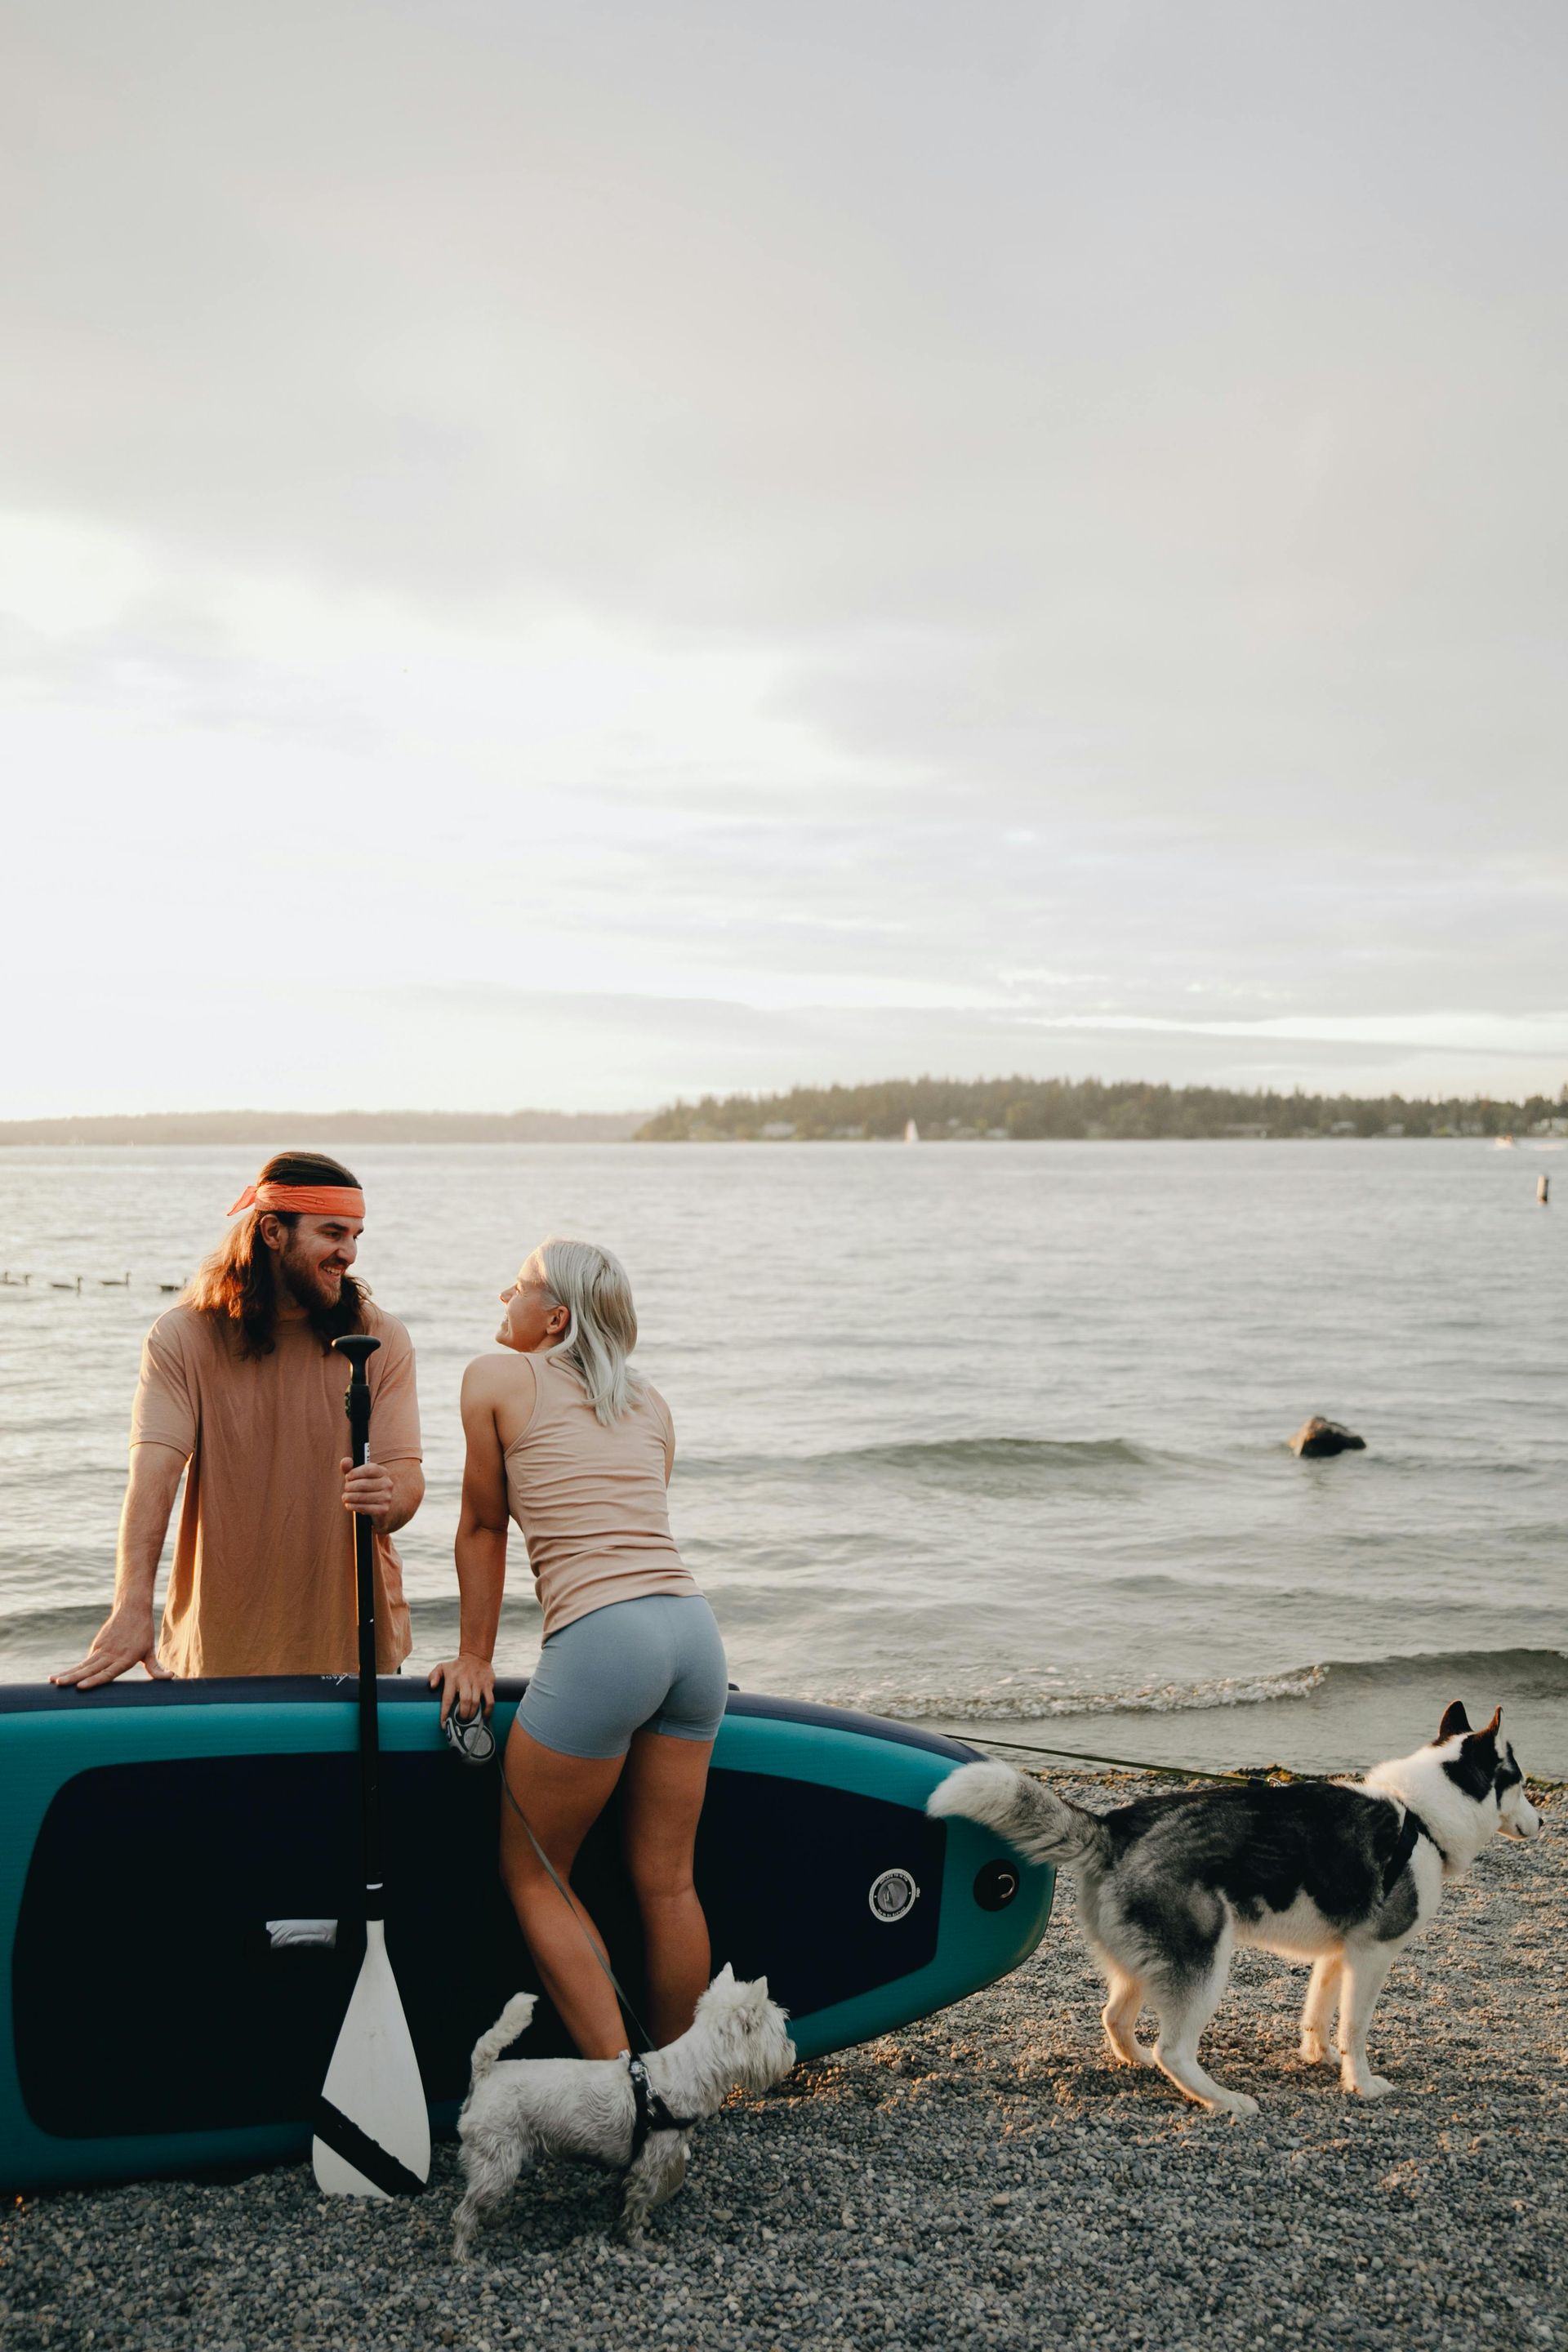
(1486, 1737)
(1455, 1721)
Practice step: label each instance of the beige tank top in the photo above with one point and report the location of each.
(591, 1499)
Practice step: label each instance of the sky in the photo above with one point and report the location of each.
(564, 556)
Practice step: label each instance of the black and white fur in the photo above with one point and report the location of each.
(522, 2108)
(1330, 1871)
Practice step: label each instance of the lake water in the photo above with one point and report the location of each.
(988, 1434)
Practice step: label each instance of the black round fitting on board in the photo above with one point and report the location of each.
(995, 1884)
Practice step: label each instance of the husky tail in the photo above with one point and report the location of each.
(514, 2019)
(1036, 1825)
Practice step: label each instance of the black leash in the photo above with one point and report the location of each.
(644, 2036)
(475, 1742)
(1198, 1772)
(650, 2113)
(1128, 1763)
(1411, 1828)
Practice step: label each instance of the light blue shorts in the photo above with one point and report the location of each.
(655, 1663)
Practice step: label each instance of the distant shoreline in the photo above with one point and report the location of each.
(277, 1130)
(890, 1110)
(564, 1126)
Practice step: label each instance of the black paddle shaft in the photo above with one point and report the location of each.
(359, 1346)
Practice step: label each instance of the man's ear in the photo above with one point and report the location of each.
(1455, 1721)
(275, 1234)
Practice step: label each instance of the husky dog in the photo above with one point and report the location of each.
(1343, 1874)
(637, 2113)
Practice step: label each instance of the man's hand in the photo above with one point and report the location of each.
(125, 1639)
(467, 1681)
(371, 1491)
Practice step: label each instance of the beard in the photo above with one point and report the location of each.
(330, 1307)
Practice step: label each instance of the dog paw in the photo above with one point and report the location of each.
(1237, 2104)
(1135, 2055)
(1371, 2086)
(1314, 2049)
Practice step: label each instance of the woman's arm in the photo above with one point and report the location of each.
(480, 1549)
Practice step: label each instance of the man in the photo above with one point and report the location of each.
(240, 1382)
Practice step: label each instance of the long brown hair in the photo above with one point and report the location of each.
(237, 1281)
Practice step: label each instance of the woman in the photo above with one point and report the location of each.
(566, 1439)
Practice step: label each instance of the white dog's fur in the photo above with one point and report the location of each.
(524, 2109)
(1333, 1872)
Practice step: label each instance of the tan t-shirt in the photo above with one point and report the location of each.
(590, 1498)
(263, 1581)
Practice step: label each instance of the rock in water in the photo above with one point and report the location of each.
(1321, 1436)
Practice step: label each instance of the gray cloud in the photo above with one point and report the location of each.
(1133, 433)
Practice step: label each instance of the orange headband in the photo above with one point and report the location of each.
(313, 1199)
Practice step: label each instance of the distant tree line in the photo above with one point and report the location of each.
(1026, 1110)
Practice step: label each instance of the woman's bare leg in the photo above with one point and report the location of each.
(662, 1799)
(563, 1797)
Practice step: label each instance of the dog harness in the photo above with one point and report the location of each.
(650, 2113)
(1410, 1829)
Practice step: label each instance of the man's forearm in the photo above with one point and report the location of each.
(407, 1494)
(154, 1481)
(126, 1637)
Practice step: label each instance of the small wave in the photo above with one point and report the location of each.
(433, 1609)
(1009, 1458)
(1024, 1702)
(1002, 1453)
(59, 1617)
(1523, 1673)
(1504, 1674)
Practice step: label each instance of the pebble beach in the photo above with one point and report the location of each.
(983, 2178)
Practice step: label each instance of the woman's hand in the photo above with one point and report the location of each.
(469, 1682)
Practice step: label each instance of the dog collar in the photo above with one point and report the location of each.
(649, 2112)
(1410, 1829)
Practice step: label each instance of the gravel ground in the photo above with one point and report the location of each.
(982, 2179)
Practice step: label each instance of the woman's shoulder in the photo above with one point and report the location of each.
(503, 1377)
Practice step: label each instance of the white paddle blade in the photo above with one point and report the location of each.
(373, 2130)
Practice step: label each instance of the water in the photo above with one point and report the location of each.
(990, 1435)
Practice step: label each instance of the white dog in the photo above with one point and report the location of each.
(637, 2113)
(1343, 1875)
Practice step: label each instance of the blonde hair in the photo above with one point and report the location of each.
(602, 1326)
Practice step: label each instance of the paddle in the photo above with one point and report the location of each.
(373, 2130)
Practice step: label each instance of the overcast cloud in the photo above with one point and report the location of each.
(559, 555)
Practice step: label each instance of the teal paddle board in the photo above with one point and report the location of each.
(179, 1885)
